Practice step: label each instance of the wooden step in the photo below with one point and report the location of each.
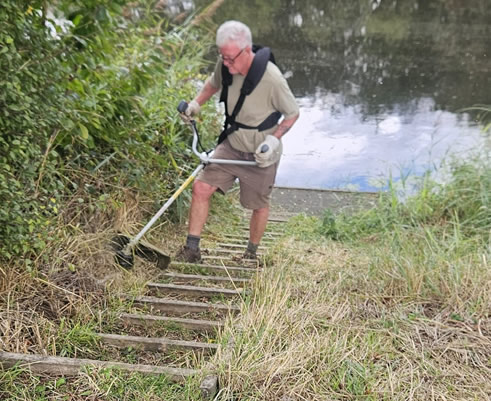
(245, 237)
(278, 219)
(194, 290)
(156, 344)
(229, 251)
(62, 366)
(190, 324)
(274, 234)
(192, 278)
(241, 246)
(175, 306)
(227, 259)
(243, 241)
(218, 269)
(271, 219)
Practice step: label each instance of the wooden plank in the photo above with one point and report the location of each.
(273, 220)
(245, 237)
(175, 306)
(278, 220)
(229, 251)
(62, 366)
(156, 344)
(241, 246)
(191, 278)
(225, 259)
(193, 290)
(191, 324)
(275, 234)
(216, 257)
(218, 269)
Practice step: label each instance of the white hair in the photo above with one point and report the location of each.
(234, 31)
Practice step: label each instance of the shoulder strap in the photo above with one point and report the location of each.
(256, 72)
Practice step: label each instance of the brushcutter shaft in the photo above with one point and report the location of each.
(206, 158)
(169, 202)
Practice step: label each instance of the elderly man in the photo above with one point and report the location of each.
(251, 125)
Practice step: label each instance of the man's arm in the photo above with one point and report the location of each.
(285, 126)
(205, 93)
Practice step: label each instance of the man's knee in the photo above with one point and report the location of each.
(202, 190)
(261, 211)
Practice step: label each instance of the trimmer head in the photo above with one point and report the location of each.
(118, 243)
(125, 258)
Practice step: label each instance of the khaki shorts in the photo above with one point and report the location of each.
(256, 183)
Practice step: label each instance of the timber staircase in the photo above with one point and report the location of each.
(190, 298)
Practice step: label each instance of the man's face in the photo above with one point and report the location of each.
(233, 57)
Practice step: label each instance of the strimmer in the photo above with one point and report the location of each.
(126, 248)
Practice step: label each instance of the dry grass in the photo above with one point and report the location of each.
(324, 324)
(71, 285)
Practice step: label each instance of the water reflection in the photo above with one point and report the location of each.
(342, 150)
(380, 82)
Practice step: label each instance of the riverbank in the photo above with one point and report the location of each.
(388, 303)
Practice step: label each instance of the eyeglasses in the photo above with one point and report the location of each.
(230, 60)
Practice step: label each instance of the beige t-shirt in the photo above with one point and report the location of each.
(271, 94)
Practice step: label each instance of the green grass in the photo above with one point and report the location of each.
(388, 304)
(107, 384)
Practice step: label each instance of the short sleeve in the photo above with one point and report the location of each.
(283, 99)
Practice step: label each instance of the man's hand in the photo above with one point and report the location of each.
(192, 109)
(271, 155)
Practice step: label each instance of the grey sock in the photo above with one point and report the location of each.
(252, 248)
(192, 241)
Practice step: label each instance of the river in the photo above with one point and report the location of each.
(382, 85)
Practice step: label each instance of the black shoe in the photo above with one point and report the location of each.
(249, 255)
(188, 255)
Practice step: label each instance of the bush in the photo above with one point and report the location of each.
(92, 102)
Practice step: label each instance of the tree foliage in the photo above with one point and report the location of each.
(95, 92)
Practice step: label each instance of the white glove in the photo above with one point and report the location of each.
(192, 109)
(271, 155)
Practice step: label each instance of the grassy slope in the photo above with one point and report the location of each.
(397, 310)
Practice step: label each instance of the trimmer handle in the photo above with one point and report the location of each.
(182, 106)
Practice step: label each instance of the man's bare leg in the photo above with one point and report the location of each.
(200, 204)
(258, 223)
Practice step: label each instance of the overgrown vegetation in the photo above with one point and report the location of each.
(90, 144)
(389, 304)
(88, 109)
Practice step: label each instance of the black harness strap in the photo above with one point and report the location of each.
(256, 72)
